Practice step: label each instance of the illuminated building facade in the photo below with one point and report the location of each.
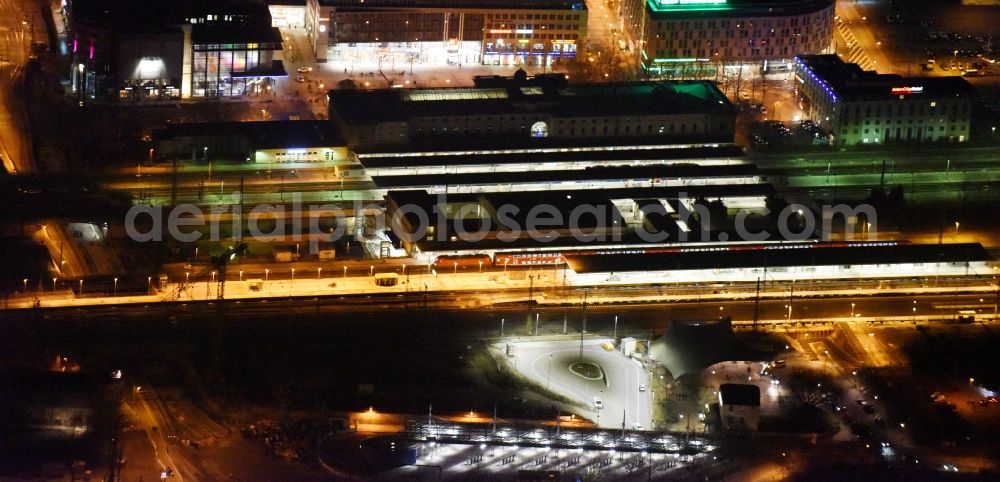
(864, 107)
(670, 35)
(398, 33)
(267, 143)
(151, 50)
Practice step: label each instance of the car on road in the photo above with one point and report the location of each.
(637, 426)
(598, 403)
(743, 95)
(300, 79)
(304, 69)
(642, 387)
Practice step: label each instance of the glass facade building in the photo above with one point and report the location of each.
(231, 69)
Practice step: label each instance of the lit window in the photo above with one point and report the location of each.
(539, 129)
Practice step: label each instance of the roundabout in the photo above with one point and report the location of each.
(587, 370)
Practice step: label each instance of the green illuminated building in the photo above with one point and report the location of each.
(667, 35)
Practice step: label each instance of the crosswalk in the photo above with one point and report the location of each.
(855, 54)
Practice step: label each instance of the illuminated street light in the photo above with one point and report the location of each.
(54, 285)
(267, 273)
(116, 287)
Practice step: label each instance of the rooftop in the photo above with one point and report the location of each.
(470, 4)
(739, 394)
(849, 81)
(228, 33)
(263, 135)
(359, 107)
(688, 347)
(157, 15)
(638, 174)
(644, 154)
(777, 256)
(683, 9)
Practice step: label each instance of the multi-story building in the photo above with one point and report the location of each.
(141, 50)
(668, 35)
(535, 113)
(861, 106)
(398, 33)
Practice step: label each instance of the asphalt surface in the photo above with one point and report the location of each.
(548, 364)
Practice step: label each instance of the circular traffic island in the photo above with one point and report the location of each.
(587, 370)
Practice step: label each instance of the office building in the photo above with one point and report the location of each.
(150, 50)
(861, 106)
(399, 33)
(671, 36)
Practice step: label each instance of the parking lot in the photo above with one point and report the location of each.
(958, 38)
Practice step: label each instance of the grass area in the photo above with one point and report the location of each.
(804, 419)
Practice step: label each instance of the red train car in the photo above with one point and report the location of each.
(462, 261)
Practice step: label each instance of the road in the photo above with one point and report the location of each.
(855, 41)
(547, 363)
(157, 423)
(19, 25)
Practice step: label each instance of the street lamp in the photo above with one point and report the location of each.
(187, 276)
(345, 271)
(852, 310)
(456, 267)
(371, 270)
(25, 281)
(293, 274)
(319, 273)
(81, 286)
(956, 228)
(116, 287)
(480, 266)
(149, 283)
(267, 272)
(54, 285)
(548, 375)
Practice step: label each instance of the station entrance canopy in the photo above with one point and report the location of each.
(688, 347)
